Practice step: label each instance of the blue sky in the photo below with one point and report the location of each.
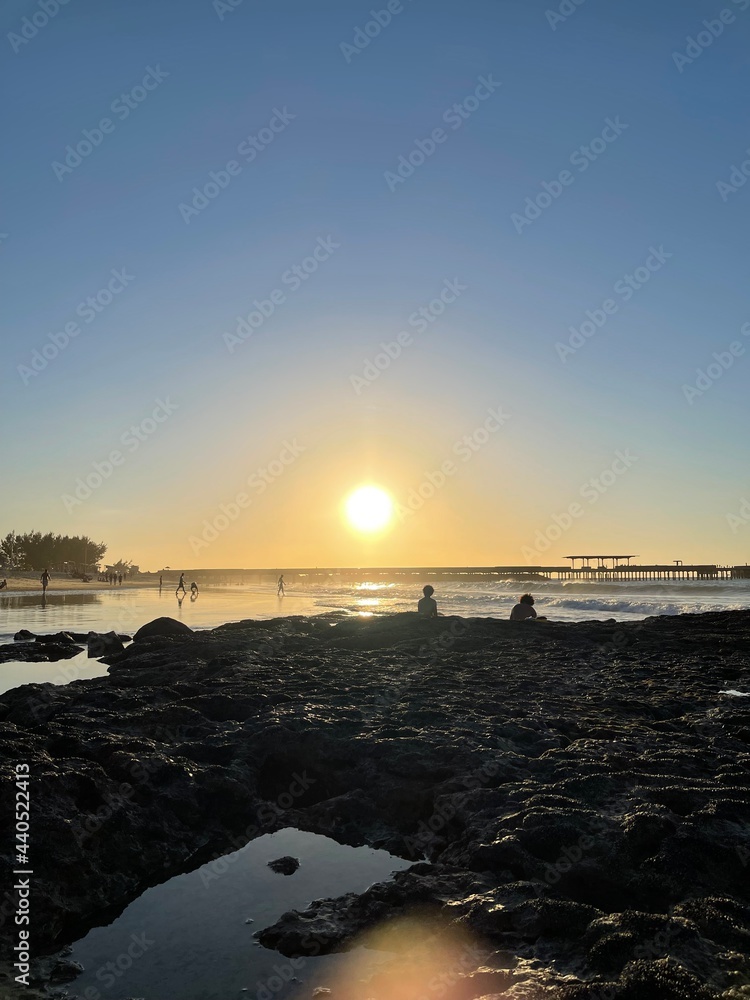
(323, 177)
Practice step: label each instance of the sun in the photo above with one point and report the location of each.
(369, 509)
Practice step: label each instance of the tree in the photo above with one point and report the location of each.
(35, 551)
(11, 555)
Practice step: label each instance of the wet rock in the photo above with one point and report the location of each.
(284, 866)
(61, 638)
(24, 635)
(104, 644)
(38, 652)
(582, 801)
(162, 627)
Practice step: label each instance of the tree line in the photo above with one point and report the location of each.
(34, 550)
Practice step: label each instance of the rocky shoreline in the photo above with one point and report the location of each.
(576, 796)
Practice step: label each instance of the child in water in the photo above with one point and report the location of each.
(427, 607)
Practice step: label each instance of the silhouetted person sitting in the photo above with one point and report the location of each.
(427, 607)
(525, 609)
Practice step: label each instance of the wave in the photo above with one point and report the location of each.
(636, 607)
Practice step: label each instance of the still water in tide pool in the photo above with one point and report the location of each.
(189, 938)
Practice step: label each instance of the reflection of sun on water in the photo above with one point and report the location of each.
(413, 958)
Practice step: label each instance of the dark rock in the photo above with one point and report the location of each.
(24, 635)
(162, 627)
(84, 636)
(38, 652)
(284, 866)
(104, 644)
(582, 801)
(61, 638)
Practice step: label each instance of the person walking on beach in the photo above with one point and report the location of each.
(427, 607)
(181, 585)
(525, 609)
(45, 578)
(280, 586)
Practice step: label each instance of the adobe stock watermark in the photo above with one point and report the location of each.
(566, 9)
(32, 25)
(582, 158)
(293, 279)
(248, 149)
(258, 481)
(738, 176)
(742, 518)
(598, 825)
(364, 35)
(696, 45)
(446, 809)
(122, 107)
(131, 440)
(108, 973)
(88, 310)
(224, 7)
(591, 491)
(625, 288)
(419, 320)
(428, 655)
(455, 116)
(465, 448)
(723, 361)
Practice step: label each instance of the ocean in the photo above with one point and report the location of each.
(125, 609)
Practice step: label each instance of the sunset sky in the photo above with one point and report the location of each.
(545, 163)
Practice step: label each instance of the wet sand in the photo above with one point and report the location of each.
(32, 585)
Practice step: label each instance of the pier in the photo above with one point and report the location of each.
(585, 568)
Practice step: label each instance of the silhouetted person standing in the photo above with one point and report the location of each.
(45, 578)
(181, 585)
(427, 607)
(280, 586)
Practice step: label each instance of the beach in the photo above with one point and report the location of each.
(571, 797)
(29, 583)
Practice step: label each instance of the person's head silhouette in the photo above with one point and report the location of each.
(428, 591)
